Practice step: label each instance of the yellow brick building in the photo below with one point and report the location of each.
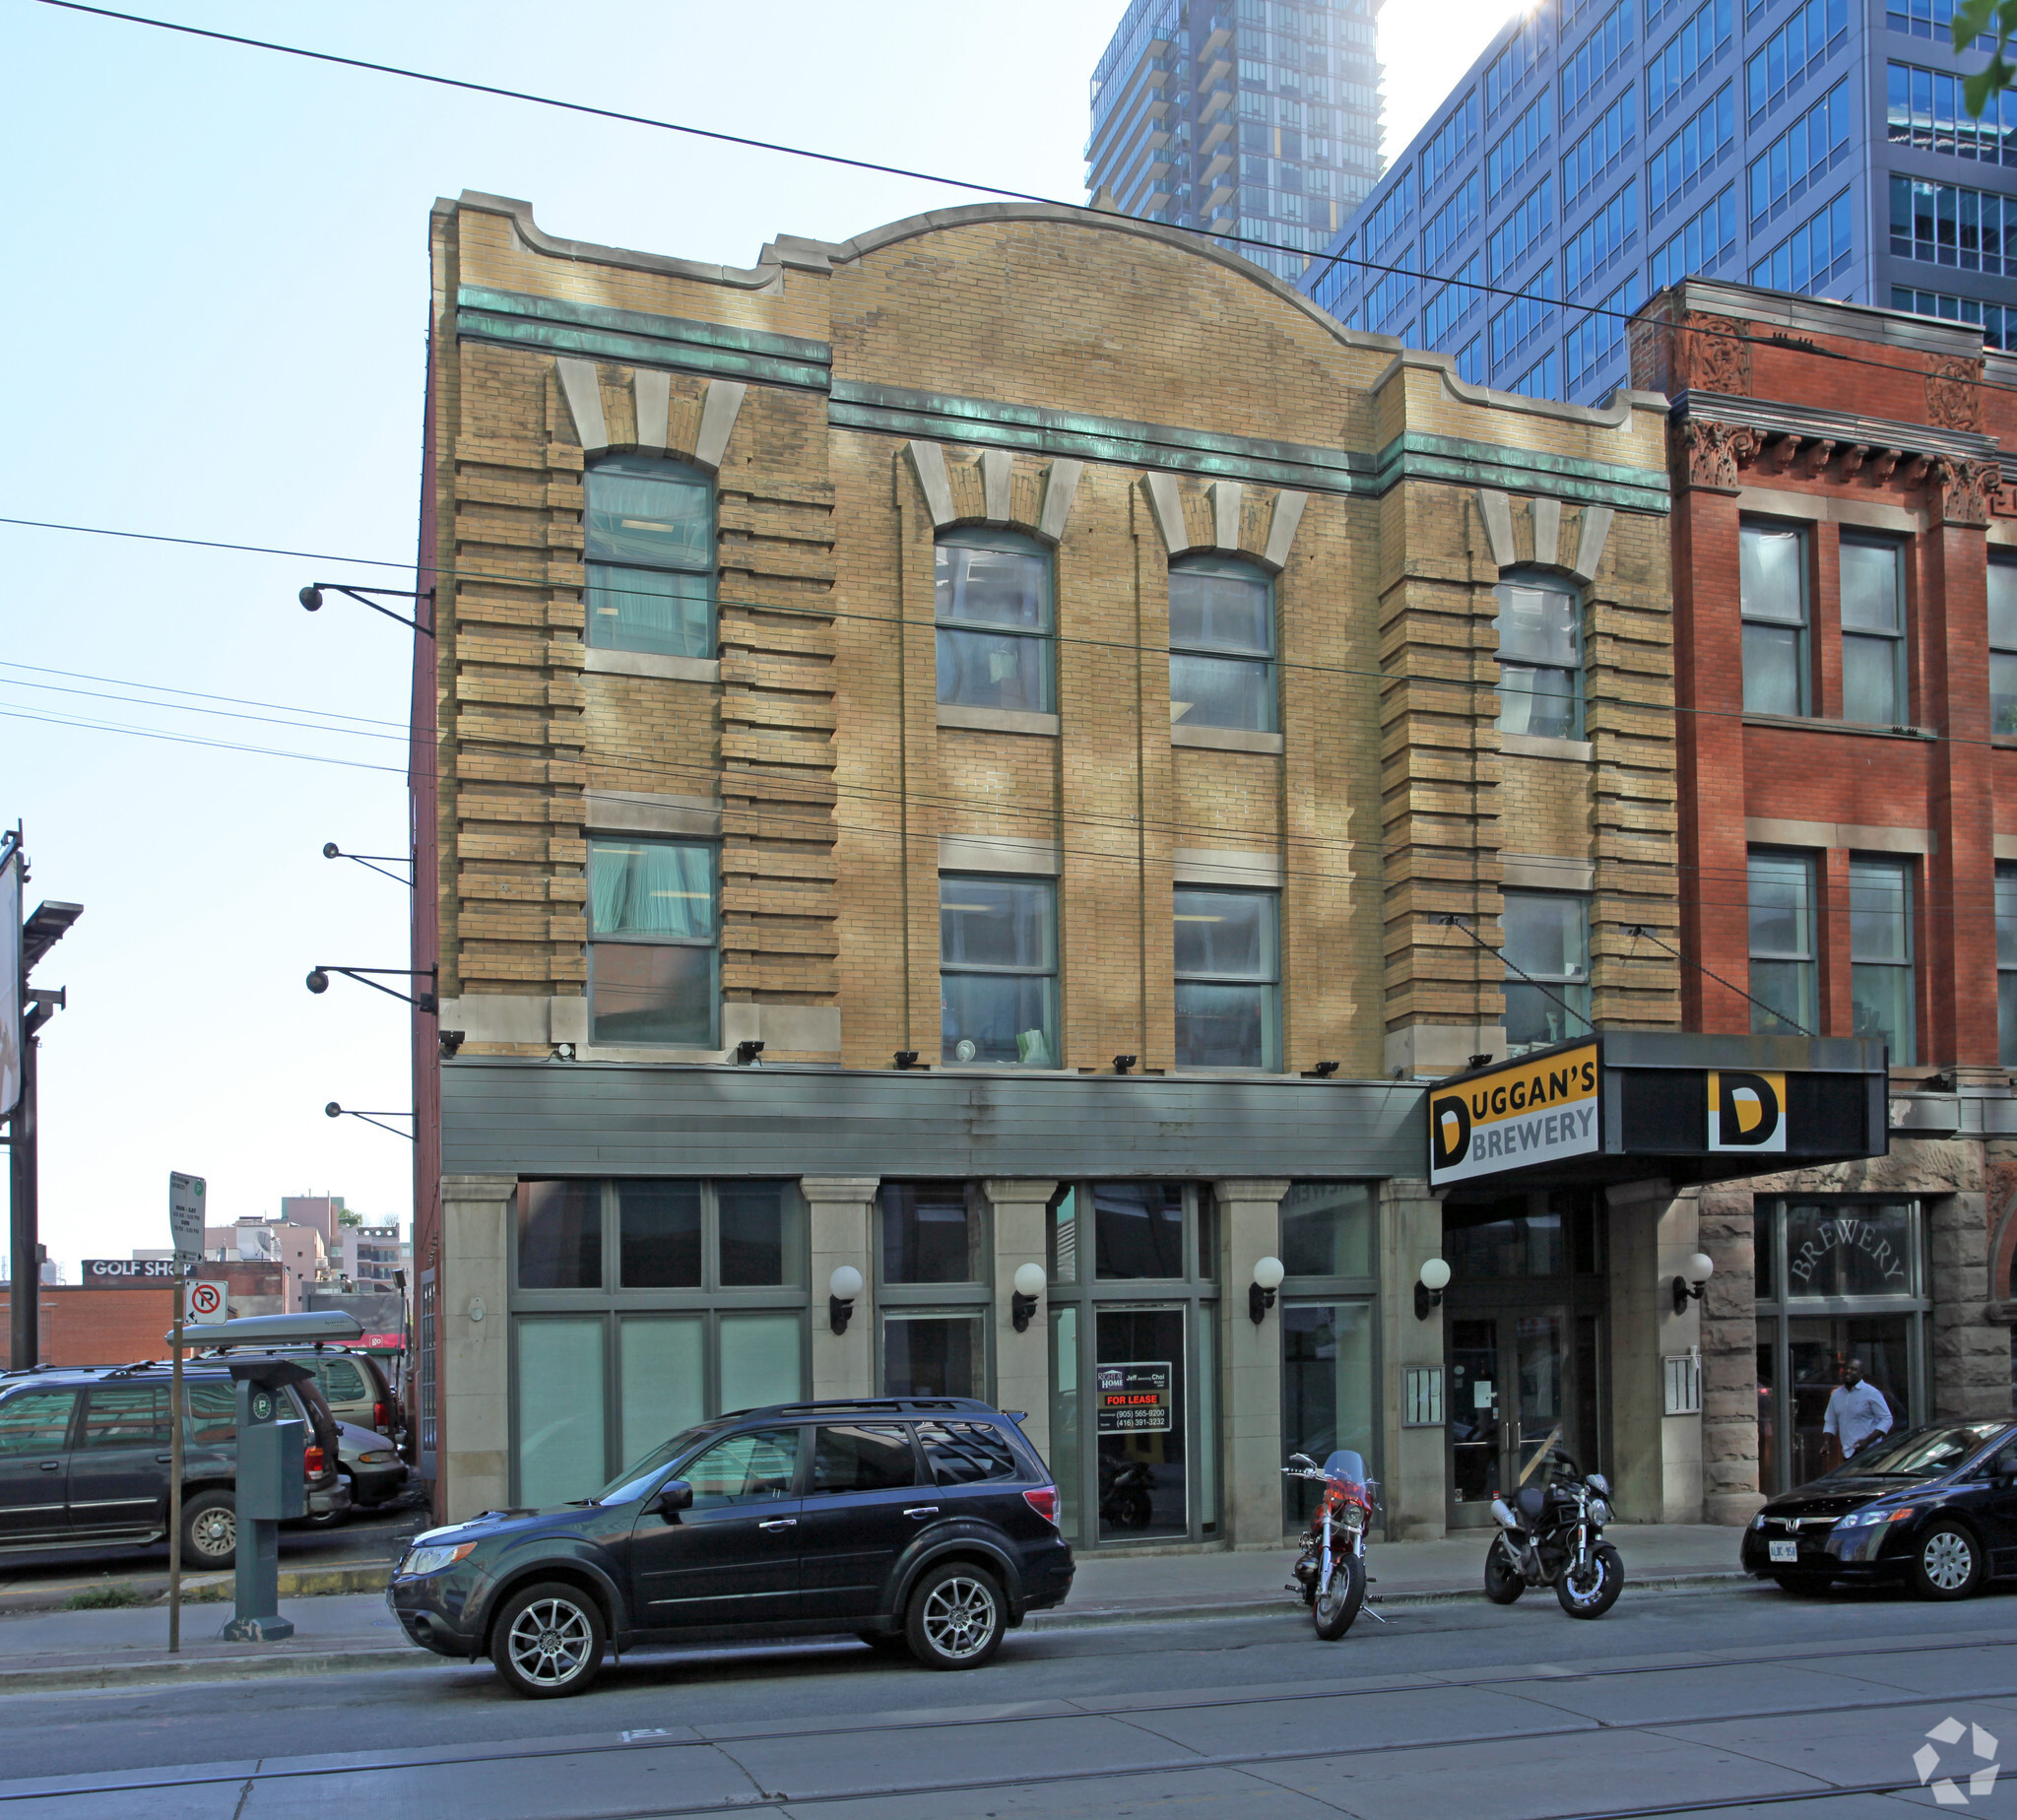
(982, 746)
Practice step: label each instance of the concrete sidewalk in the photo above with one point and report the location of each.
(44, 1652)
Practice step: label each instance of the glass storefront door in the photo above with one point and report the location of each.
(1523, 1323)
(1138, 1407)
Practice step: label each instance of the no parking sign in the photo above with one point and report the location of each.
(206, 1302)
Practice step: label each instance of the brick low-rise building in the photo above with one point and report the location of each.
(1015, 744)
(1846, 646)
(91, 1323)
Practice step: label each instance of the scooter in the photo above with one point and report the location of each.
(1551, 1533)
(1331, 1571)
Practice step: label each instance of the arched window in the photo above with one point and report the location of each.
(993, 608)
(1540, 656)
(651, 556)
(1221, 645)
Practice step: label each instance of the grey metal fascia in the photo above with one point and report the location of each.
(1815, 423)
(1865, 322)
(1799, 1055)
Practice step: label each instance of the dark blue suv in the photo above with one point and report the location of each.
(927, 1523)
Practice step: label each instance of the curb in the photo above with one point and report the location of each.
(57, 1678)
(211, 1589)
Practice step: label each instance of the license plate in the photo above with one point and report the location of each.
(1783, 1551)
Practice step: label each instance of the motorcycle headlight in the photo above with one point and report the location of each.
(1354, 1517)
(1599, 1511)
(434, 1560)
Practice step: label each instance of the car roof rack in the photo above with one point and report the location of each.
(876, 1406)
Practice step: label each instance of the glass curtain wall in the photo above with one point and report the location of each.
(1134, 1310)
(640, 1307)
(1837, 1278)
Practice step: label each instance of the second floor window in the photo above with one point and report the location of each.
(1541, 664)
(992, 601)
(653, 945)
(997, 970)
(1872, 630)
(1228, 968)
(650, 554)
(1547, 939)
(1880, 972)
(2002, 580)
(1773, 583)
(2006, 965)
(1221, 645)
(1782, 895)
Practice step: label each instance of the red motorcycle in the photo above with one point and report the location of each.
(1331, 1571)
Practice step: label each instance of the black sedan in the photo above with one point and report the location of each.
(1936, 1507)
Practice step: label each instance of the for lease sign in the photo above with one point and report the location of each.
(1512, 1116)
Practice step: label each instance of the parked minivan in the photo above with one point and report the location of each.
(85, 1458)
(921, 1522)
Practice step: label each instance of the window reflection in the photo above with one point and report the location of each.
(1138, 1228)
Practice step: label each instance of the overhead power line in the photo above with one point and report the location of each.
(532, 98)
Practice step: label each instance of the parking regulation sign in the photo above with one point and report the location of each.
(185, 1217)
(206, 1302)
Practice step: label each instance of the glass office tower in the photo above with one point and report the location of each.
(1250, 117)
(1596, 153)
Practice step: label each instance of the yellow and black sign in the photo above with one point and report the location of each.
(1747, 1112)
(1510, 1117)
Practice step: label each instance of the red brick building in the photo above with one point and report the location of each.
(92, 1325)
(1845, 564)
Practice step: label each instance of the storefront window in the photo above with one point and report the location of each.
(931, 1234)
(1512, 1237)
(1327, 1389)
(1327, 1229)
(1138, 1229)
(1849, 1281)
(934, 1356)
(641, 1307)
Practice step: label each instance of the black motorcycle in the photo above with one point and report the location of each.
(1124, 1488)
(1551, 1533)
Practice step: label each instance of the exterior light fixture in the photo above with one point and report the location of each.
(334, 1111)
(451, 1041)
(369, 861)
(1122, 1064)
(1322, 1071)
(747, 1053)
(1429, 1287)
(318, 981)
(1029, 1285)
(311, 597)
(1267, 1276)
(1688, 1286)
(841, 1289)
(906, 1058)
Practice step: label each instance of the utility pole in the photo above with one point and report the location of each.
(26, 1009)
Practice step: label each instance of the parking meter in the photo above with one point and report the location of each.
(273, 1445)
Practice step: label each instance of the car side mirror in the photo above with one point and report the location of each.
(673, 1496)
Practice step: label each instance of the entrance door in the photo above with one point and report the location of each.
(1512, 1377)
(1139, 1412)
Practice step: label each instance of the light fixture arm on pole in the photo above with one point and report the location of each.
(334, 1111)
(331, 851)
(318, 981)
(310, 597)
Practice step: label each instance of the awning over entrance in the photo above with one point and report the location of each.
(1626, 1105)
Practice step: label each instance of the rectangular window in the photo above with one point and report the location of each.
(932, 1233)
(1450, 305)
(1517, 148)
(1585, 68)
(1974, 230)
(934, 1356)
(1700, 244)
(1455, 218)
(1138, 1230)
(654, 943)
(1700, 144)
(661, 1362)
(1997, 321)
(1391, 298)
(1928, 18)
(1452, 141)
(1509, 69)
(992, 599)
(1795, 51)
(1524, 318)
(1525, 228)
(1471, 362)
(649, 546)
(2002, 591)
(1395, 208)
(1327, 1391)
(560, 1235)
(1547, 939)
(1221, 645)
(1814, 254)
(1782, 895)
(1772, 584)
(1541, 664)
(1327, 1229)
(997, 970)
(1228, 979)
(1601, 150)
(1541, 381)
(1927, 110)
(1672, 69)
(2006, 964)
(560, 1399)
(1597, 342)
(1873, 630)
(1801, 156)
(1881, 955)
(1605, 238)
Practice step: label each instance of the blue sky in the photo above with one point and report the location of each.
(217, 296)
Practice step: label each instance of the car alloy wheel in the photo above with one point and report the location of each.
(214, 1533)
(550, 1640)
(1947, 1560)
(961, 1617)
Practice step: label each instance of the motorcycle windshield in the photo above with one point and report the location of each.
(1346, 1467)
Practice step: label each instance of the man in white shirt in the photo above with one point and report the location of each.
(1857, 1412)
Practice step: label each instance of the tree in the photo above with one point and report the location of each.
(348, 1218)
(1976, 18)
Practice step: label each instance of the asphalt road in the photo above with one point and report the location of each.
(1732, 1702)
